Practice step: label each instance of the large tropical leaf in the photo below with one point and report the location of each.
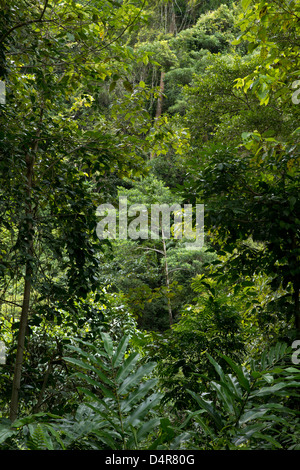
(120, 392)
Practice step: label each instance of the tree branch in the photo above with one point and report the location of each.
(44, 9)
(9, 302)
(20, 25)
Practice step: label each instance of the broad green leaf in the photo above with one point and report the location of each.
(207, 429)
(87, 379)
(268, 378)
(137, 395)
(273, 389)
(246, 4)
(127, 366)
(56, 435)
(106, 391)
(104, 410)
(107, 439)
(119, 353)
(183, 438)
(91, 368)
(92, 395)
(234, 387)
(108, 344)
(127, 85)
(217, 367)
(268, 438)
(225, 397)
(97, 361)
(134, 379)
(291, 370)
(146, 429)
(243, 380)
(33, 418)
(252, 414)
(103, 377)
(6, 432)
(87, 355)
(112, 86)
(140, 412)
(247, 432)
(209, 408)
(78, 362)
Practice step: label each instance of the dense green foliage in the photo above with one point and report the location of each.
(141, 343)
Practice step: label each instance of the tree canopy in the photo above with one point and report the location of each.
(140, 342)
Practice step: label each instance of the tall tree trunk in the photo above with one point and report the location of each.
(30, 159)
(164, 253)
(173, 28)
(21, 343)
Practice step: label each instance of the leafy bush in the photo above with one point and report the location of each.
(117, 409)
(118, 399)
(253, 408)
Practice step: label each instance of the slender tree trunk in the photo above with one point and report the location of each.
(30, 159)
(164, 253)
(20, 346)
(173, 21)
